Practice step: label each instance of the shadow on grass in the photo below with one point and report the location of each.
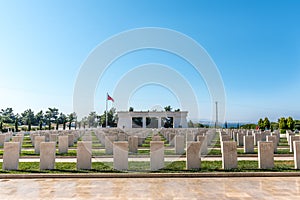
(144, 167)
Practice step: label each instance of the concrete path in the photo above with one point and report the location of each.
(152, 188)
(145, 159)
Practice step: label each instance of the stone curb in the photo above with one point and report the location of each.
(153, 175)
(166, 156)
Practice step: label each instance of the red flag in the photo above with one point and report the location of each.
(110, 98)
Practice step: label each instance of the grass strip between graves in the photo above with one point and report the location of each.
(134, 166)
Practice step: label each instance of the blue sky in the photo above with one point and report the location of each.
(255, 45)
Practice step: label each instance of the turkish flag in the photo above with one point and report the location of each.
(110, 98)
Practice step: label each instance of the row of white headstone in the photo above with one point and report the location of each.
(120, 155)
(84, 155)
(11, 155)
(265, 154)
(248, 141)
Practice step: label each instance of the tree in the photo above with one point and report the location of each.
(261, 124)
(17, 123)
(282, 124)
(225, 125)
(27, 118)
(168, 108)
(84, 121)
(290, 123)
(248, 126)
(71, 118)
(131, 109)
(40, 119)
(75, 119)
(48, 119)
(92, 119)
(267, 123)
(79, 125)
(7, 115)
(177, 110)
(190, 124)
(111, 118)
(274, 126)
(51, 115)
(63, 120)
(1, 122)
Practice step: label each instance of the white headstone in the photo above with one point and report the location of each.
(156, 155)
(47, 155)
(84, 155)
(120, 155)
(193, 155)
(63, 142)
(11, 156)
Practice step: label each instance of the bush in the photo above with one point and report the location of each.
(282, 131)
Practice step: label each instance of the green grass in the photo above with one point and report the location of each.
(33, 167)
(147, 152)
(216, 166)
(98, 152)
(101, 152)
(284, 151)
(241, 151)
(27, 142)
(149, 139)
(144, 151)
(71, 152)
(170, 167)
(283, 142)
(96, 145)
(216, 143)
(214, 152)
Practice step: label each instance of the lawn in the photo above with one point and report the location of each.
(170, 167)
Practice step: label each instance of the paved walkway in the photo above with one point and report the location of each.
(152, 188)
(145, 159)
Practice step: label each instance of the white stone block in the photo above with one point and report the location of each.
(84, 155)
(37, 143)
(18, 139)
(71, 139)
(156, 155)
(292, 139)
(47, 155)
(203, 140)
(248, 144)
(11, 156)
(109, 144)
(296, 146)
(193, 155)
(274, 140)
(229, 154)
(265, 155)
(133, 144)
(120, 155)
(2, 139)
(179, 144)
(63, 143)
(53, 138)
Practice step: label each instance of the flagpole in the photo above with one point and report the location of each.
(106, 111)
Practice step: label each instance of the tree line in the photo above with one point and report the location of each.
(51, 119)
(282, 123)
